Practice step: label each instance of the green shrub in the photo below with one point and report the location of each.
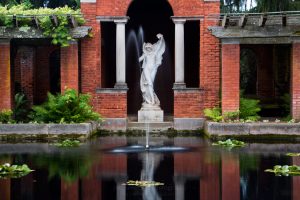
(231, 115)
(69, 107)
(21, 108)
(6, 116)
(285, 101)
(249, 109)
(213, 114)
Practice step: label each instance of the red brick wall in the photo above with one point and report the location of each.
(111, 105)
(188, 104)
(230, 77)
(5, 77)
(295, 81)
(69, 67)
(27, 69)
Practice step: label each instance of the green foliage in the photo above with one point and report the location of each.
(68, 166)
(21, 108)
(68, 143)
(69, 107)
(213, 114)
(60, 34)
(230, 143)
(229, 116)
(14, 171)
(249, 109)
(6, 116)
(285, 101)
(285, 170)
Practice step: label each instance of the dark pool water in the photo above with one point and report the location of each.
(194, 171)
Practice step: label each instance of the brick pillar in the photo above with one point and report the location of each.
(27, 68)
(5, 76)
(230, 77)
(295, 81)
(69, 67)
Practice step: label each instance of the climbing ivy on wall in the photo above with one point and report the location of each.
(59, 32)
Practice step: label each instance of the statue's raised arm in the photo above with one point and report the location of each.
(160, 47)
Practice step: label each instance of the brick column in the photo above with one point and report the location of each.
(295, 81)
(27, 68)
(69, 67)
(5, 75)
(230, 77)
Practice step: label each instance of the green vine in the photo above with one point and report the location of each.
(60, 32)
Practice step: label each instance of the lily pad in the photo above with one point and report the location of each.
(285, 170)
(293, 154)
(14, 171)
(229, 143)
(143, 183)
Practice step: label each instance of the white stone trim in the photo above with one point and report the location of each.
(88, 1)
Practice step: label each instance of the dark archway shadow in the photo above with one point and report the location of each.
(147, 19)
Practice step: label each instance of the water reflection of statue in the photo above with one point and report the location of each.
(150, 163)
(152, 59)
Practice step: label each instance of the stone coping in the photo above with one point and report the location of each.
(254, 129)
(48, 130)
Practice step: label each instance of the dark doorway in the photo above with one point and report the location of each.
(54, 61)
(147, 19)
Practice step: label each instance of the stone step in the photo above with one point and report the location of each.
(152, 126)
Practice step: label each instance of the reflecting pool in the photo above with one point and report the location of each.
(193, 170)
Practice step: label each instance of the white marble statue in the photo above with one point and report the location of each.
(152, 59)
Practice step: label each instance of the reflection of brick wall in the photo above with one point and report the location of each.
(230, 77)
(5, 76)
(295, 81)
(188, 103)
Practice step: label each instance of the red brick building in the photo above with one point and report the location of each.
(202, 59)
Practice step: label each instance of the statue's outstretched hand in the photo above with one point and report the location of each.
(159, 36)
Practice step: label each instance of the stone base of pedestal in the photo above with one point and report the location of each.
(150, 114)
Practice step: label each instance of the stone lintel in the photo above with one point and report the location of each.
(111, 90)
(88, 1)
(272, 40)
(116, 19)
(182, 19)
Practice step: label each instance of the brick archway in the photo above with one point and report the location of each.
(147, 19)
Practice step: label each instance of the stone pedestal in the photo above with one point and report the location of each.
(150, 113)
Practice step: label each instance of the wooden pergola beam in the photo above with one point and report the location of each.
(72, 22)
(262, 20)
(15, 21)
(225, 21)
(54, 20)
(35, 21)
(243, 21)
(284, 19)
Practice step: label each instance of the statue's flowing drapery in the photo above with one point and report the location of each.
(152, 59)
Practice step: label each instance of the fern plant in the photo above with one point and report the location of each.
(21, 108)
(249, 109)
(214, 114)
(69, 107)
(6, 116)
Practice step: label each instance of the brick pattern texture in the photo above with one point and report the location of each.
(188, 104)
(230, 77)
(295, 81)
(111, 105)
(5, 77)
(69, 67)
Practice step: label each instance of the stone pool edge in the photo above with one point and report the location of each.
(215, 129)
(48, 131)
